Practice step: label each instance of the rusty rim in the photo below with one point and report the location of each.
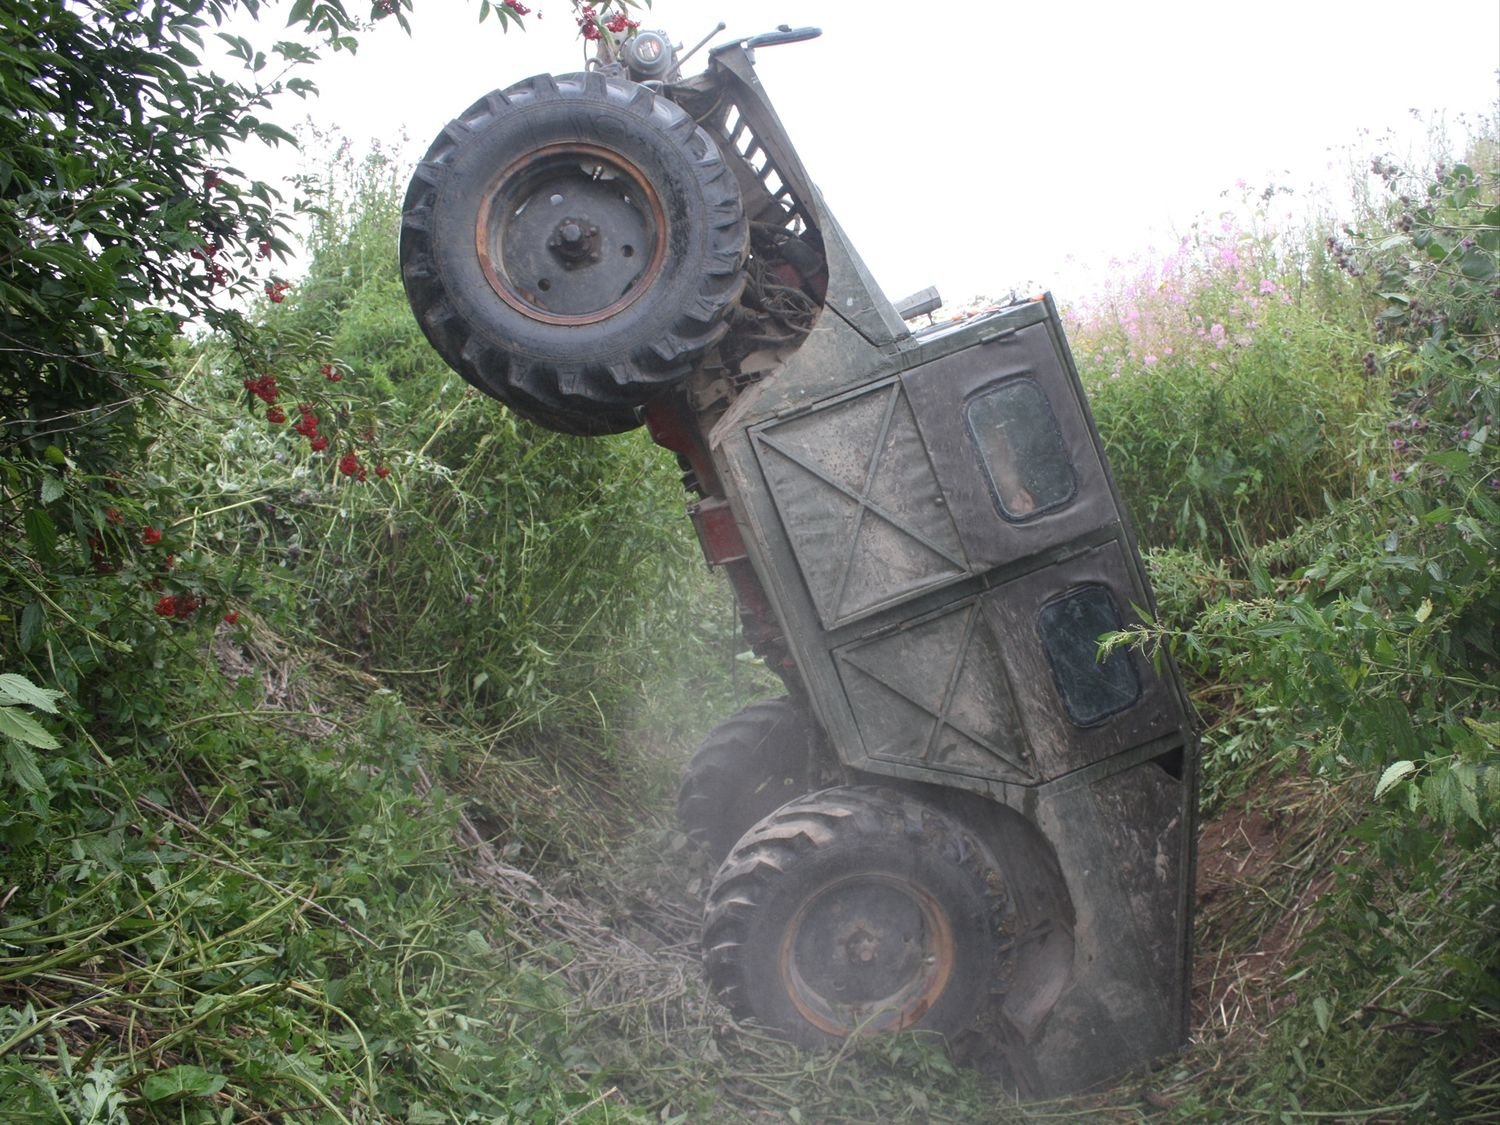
(571, 234)
(870, 952)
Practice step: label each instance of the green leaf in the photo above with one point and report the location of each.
(33, 617)
(1490, 732)
(52, 488)
(1320, 1012)
(1477, 265)
(42, 533)
(1424, 611)
(1392, 775)
(183, 1081)
(17, 724)
(22, 767)
(1449, 460)
(1468, 799)
(18, 689)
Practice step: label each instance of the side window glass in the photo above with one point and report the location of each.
(1071, 626)
(1019, 442)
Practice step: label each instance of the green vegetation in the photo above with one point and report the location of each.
(1337, 599)
(340, 710)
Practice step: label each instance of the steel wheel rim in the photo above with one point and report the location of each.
(553, 274)
(870, 952)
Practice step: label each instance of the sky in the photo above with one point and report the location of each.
(981, 147)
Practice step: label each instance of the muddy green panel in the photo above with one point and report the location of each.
(935, 694)
(860, 503)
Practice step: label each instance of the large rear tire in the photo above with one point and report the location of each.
(857, 910)
(746, 767)
(569, 245)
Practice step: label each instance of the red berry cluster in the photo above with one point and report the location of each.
(212, 179)
(588, 23)
(99, 556)
(619, 23)
(307, 424)
(178, 605)
(263, 388)
(107, 545)
(517, 7)
(217, 274)
(349, 465)
(276, 291)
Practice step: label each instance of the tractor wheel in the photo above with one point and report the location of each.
(569, 245)
(748, 766)
(856, 911)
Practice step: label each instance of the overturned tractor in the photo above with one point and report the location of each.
(959, 817)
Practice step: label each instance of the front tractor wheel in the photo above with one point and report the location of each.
(857, 910)
(570, 245)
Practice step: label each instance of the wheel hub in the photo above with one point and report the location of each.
(870, 953)
(571, 234)
(574, 242)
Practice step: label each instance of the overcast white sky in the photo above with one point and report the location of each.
(980, 146)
